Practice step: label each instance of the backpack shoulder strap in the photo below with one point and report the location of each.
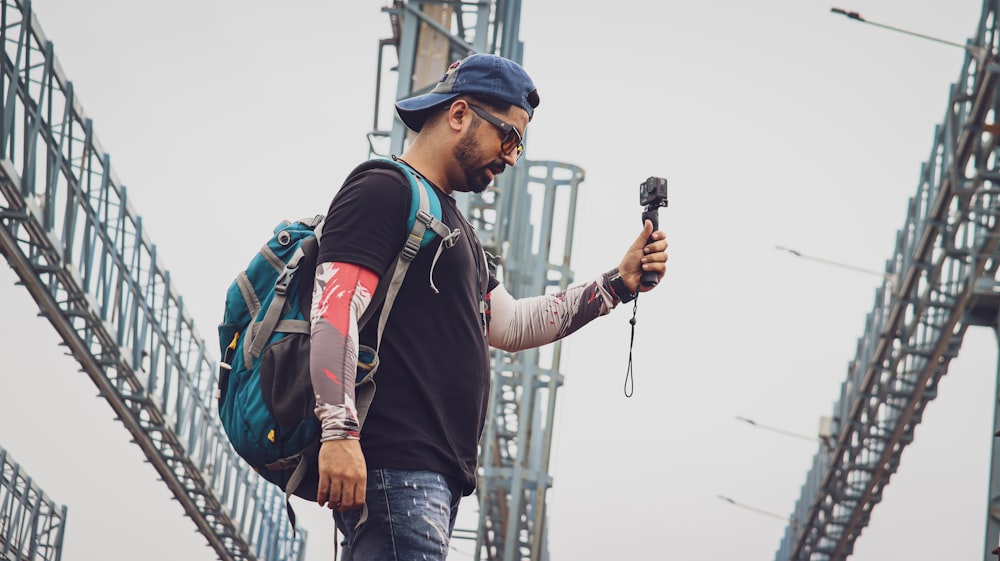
(423, 223)
(424, 220)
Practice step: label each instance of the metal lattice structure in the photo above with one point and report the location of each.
(514, 453)
(68, 231)
(31, 524)
(528, 219)
(941, 280)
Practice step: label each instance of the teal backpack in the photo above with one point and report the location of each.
(265, 394)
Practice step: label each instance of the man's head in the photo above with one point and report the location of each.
(476, 75)
(479, 90)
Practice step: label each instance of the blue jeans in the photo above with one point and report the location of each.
(410, 517)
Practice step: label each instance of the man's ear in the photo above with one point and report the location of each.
(458, 114)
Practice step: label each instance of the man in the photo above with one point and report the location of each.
(417, 454)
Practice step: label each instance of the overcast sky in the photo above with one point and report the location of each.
(776, 122)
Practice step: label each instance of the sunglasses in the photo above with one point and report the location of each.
(512, 141)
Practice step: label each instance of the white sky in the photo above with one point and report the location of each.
(776, 122)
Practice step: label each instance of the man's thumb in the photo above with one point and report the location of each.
(647, 231)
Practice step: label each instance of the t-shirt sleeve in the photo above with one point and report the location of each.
(366, 222)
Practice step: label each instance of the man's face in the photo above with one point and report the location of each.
(481, 150)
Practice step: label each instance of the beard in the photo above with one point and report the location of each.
(468, 155)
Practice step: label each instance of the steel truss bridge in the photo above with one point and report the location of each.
(71, 235)
(941, 279)
(31, 524)
(68, 230)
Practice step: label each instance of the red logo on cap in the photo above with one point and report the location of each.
(453, 66)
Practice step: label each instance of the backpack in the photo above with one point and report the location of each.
(265, 394)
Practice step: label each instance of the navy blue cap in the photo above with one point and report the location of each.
(477, 74)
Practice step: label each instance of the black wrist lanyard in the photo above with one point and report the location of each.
(629, 378)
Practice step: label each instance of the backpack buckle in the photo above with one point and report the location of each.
(412, 246)
(283, 280)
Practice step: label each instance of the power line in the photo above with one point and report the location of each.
(857, 17)
(888, 276)
(773, 429)
(754, 509)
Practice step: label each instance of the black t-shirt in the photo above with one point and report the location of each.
(433, 376)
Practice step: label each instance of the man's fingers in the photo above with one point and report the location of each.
(360, 496)
(353, 497)
(347, 498)
(334, 497)
(655, 256)
(323, 492)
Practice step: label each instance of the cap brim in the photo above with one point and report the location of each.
(413, 111)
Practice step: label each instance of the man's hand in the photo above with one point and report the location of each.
(343, 475)
(642, 257)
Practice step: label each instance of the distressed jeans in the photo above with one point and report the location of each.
(410, 518)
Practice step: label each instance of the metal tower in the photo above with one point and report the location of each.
(69, 232)
(528, 220)
(31, 524)
(945, 267)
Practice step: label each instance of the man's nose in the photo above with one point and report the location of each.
(510, 158)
